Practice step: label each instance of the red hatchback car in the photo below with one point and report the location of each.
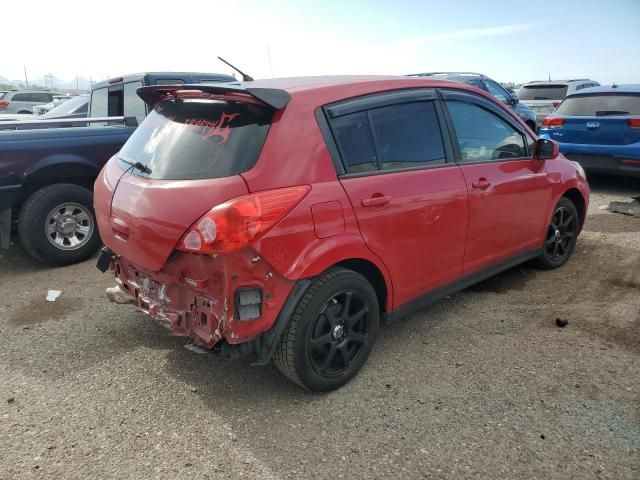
(287, 218)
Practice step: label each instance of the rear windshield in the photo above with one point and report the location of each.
(600, 105)
(2, 94)
(197, 139)
(542, 92)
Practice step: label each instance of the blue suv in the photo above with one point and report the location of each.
(599, 128)
(483, 82)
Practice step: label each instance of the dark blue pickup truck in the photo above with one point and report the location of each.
(47, 174)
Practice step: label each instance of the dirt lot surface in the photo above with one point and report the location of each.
(481, 385)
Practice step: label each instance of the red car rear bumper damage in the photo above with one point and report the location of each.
(197, 296)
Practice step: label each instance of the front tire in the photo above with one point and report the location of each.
(57, 225)
(562, 234)
(331, 333)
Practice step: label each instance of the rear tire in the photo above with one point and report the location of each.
(331, 333)
(47, 218)
(561, 237)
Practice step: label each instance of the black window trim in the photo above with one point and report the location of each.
(460, 96)
(378, 100)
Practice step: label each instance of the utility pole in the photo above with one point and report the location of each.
(549, 72)
(26, 80)
(77, 82)
(269, 57)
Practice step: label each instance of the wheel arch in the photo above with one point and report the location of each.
(55, 169)
(353, 256)
(578, 200)
(373, 275)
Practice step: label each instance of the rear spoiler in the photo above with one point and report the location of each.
(273, 97)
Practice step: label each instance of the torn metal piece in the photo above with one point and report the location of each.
(626, 208)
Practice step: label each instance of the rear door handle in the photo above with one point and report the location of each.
(481, 183)
(376, 201)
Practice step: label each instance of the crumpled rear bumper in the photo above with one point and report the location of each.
(195, 295)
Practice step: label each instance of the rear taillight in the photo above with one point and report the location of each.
(4, 104)
(234, 224)
(555, 104)
(553, 122)
(634, 122)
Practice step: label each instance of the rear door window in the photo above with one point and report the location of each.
(543, 92)
(197, 139)
(497, 91)
(407, 135)
(355, 142)
(22, 97)
(600, 105)
(393, 137)
(115, 102)
(483, 136)
(133, 104)
(98, 105)
(476, 83)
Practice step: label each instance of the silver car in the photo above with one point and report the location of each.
(543, 97)
(22, 101)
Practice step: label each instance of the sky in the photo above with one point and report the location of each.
(507, 40)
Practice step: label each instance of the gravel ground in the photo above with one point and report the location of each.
(481, 385)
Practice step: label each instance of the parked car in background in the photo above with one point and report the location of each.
(45, 107)
(544, 96)
(22, 101)
(483, 82)
(47, 173)
(74, 107)
(284, 217)
(599, 128)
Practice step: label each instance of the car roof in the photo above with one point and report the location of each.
(608, 89)
(27, 90)
(449, 74)
(337, 82)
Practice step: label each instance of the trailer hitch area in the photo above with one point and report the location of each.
(116, 295)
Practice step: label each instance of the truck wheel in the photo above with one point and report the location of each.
(57, 225)
(331, 332)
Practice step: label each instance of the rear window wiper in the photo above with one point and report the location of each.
(602, 113)
(135, 164)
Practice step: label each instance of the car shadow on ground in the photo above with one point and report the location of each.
(614, 185)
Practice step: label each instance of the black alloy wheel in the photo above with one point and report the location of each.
(340, 334)
(331, 332)
(562, 234)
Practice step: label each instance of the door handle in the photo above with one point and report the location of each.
(481, 183)
(376, 201)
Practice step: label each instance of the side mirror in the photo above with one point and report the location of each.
(546, 149)
(513, 99)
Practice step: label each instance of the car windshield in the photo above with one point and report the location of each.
(70, 106)
(543, 92)
(600, 105)
(196, 139)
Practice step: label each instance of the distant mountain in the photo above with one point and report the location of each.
(52, 82)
